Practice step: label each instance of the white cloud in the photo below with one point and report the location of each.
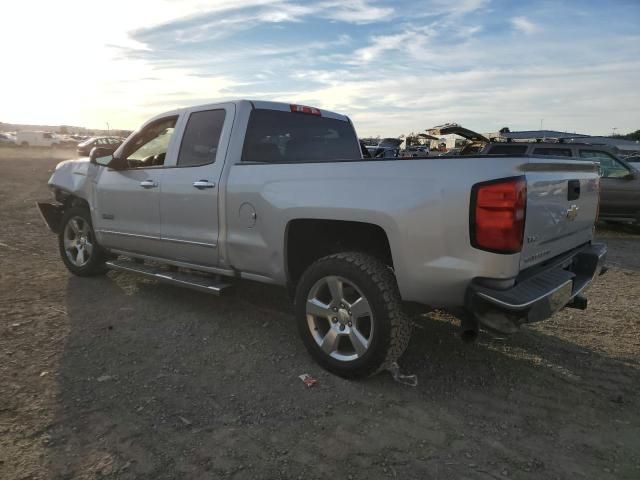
(454, 7)
(355, 11)
(524, 25)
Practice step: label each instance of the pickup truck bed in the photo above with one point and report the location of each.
(281, 194)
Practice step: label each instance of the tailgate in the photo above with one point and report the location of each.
(562, 205)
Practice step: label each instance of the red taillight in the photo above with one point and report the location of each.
(498, 214)
(305, 109)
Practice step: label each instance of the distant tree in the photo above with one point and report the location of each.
(629, 136)
(505, 130)
(63, 129)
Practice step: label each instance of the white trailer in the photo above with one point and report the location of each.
(37, 139)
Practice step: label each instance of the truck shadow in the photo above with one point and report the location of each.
(161, 382)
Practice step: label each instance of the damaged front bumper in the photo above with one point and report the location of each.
(51, 213)
(537, 294)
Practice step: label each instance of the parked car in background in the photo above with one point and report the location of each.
(7, 139)
(37, 139)
(475, 141)
(619, 183)
(633, 160)
(281, 194)
(387, 148)
(453, 152)
(108, 143)
(416, 151)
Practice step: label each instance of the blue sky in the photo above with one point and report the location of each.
(393, 66)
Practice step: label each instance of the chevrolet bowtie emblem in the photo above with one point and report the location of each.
(572, 212)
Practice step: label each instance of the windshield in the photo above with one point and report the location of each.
(275, 136)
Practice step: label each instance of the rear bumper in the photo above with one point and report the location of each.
(537, 295)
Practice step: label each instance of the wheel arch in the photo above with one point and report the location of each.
(309, 239)
(52, 213)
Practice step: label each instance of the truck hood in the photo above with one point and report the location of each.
(71, 175)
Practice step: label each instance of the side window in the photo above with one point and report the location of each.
(149, 146)
(610, 167)
(200, 140)
(556, 152)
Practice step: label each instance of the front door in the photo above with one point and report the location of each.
(127, 200)
(189, 197)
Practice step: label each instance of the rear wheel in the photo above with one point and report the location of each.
(79, 250)
(349, 314)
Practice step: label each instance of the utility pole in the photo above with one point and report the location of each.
(108, 129)
(613, 131)
(541, 123)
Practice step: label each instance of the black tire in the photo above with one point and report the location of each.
(391, 329)
(95, 263)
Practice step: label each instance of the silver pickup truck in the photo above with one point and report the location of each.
(281, 194)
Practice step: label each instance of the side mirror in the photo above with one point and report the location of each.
(101, 156)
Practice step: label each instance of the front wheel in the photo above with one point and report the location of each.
(79, 249)
(349, 314)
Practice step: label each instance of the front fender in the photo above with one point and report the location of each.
(72, 176)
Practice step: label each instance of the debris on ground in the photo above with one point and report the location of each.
(308, 380)
(410, 380)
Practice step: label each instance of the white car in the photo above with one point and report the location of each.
(7, 138)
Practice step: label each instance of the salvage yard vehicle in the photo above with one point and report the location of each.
(36, 139)
(281, 194)
(108, 143)
(619, 182)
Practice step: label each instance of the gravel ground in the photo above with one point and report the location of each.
(118, 377)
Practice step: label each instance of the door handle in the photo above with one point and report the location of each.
(202, 184)
(148, 184)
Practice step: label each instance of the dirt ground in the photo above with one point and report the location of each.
(118, 377)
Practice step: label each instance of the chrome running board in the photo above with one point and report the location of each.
(202, 283)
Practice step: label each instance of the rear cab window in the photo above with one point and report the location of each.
(508, 150)
(275, 136)
(553, 151)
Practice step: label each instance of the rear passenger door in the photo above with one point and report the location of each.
(189, 200)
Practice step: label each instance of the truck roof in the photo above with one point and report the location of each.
(259, 104)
